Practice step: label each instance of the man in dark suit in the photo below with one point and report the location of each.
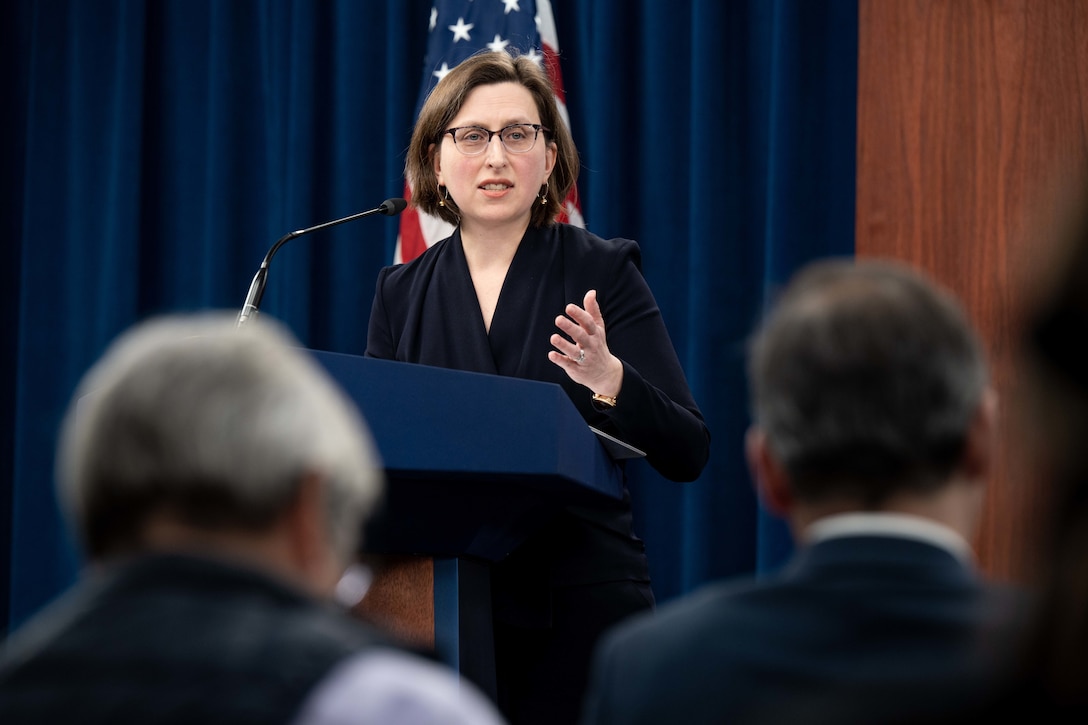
(873, 431)
(219, 482)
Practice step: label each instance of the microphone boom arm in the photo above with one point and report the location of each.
(389, 207)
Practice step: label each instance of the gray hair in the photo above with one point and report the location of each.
(216, 426)
(865, 378)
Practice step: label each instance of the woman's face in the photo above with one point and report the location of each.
(497, 188)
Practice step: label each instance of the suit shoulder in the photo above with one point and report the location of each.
(710, 605)
(405, 274)
(582, 244)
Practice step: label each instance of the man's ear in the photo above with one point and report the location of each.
(311, 544)
(980, 447)
(771, 479)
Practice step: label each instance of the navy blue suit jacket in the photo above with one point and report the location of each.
(848, 617)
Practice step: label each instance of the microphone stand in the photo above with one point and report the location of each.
(389, 207)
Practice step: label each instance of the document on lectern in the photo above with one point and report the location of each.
(617, 448)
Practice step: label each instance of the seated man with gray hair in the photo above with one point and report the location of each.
(872, 435)
(218, 481)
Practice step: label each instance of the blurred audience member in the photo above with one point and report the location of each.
(1048, 677)
(873, 433)
(219, 482)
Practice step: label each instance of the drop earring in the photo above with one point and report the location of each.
(445, 195)
(543, 195)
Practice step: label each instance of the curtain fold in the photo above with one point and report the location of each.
(15, 33)
(160, 148)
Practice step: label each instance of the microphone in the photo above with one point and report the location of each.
(389, 207)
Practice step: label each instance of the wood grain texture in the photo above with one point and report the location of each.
(400, 599)
(971, 116)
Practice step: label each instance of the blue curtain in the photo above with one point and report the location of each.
(156, 149)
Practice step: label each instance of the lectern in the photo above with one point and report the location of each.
(474, 464)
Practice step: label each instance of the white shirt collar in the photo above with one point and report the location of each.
(883, 523)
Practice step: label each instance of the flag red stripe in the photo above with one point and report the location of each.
(412, 243)
(551, 65)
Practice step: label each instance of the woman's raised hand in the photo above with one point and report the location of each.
(585, 356)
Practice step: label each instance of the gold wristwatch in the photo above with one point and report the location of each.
(603, 402)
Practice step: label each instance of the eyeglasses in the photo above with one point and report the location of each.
(518, 138)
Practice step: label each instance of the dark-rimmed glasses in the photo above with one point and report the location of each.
(517, 138)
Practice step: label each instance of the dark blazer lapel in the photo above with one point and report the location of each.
(528, 304)
(453, 336)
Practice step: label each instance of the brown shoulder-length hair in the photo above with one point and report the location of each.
(445, 102)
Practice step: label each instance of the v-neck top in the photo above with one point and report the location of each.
(427, 312)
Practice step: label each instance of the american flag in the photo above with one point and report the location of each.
(459, 28)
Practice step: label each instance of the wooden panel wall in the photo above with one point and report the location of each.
(970, 115)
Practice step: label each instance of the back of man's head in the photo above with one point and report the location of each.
(865, 379)
(215, 428)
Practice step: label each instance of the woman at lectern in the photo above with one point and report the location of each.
(512, 292)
